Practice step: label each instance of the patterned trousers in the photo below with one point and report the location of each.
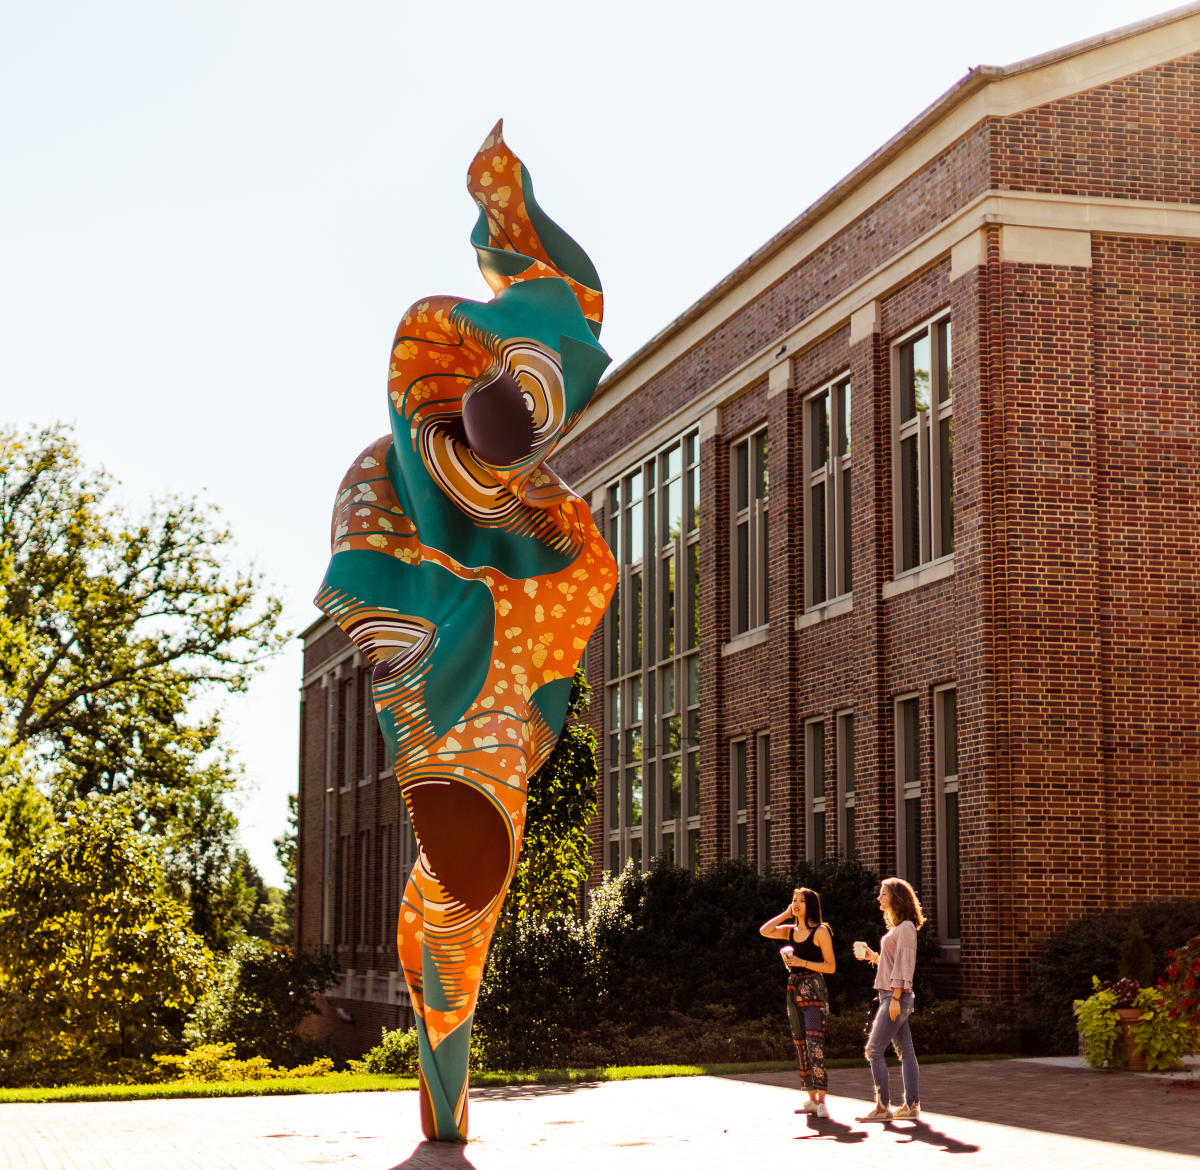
(808, 1009)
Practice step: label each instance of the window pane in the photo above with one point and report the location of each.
(667, 852)
(693, 592)
(816, 541)
(816, 760)
(635, 621)
(818, 429)
(672, 787)
(672, 462)
(742, 554)
(738, 760)
(614, 801)
(693, 669)
(694, 497)
(950, 733)
(762, 483)
(741, 476)
(666, 683)
(952, 927)
(635, 852)
(614, 856)
(667, 578)
(614, 523)
(635, 700)
(633, 745)
(633, 780)
(742, 849)
(914, 377)
(818, 841)
(849, 847)
(636, 537)
(614, 707)
(672, 728)
(912, 746)
(614, 635)
(847, 550)
(946, 485)
(843, 414)
(692, 770)
(945, 378)
(912, 841)
(694, 850)
(848, 754)
(692, 443)
(910, 533)
(672, 511)
(693, 726)
(764, 560)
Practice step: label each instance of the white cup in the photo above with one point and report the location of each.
(860, 950)
(786, 953)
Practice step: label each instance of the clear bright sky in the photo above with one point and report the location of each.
(213, 214)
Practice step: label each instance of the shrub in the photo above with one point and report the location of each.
(257, 1000)
(1136, 962)
(668, 965)
(1180, 985)
(1092, 946)
(396, 1053)
(217, 1062)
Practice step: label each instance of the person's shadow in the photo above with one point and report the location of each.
(920, 1131)
(826, 1127)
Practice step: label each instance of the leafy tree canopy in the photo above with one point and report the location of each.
(555, 855)
(110, 625)
(96, 964)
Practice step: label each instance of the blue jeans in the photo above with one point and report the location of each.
(896, 1032)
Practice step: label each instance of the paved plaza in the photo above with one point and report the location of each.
(1044, 1115)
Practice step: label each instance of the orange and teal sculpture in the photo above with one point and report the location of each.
(472, 577)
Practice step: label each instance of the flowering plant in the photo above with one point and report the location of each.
(1180, 985)
(1124, 991)
(1160, 1039)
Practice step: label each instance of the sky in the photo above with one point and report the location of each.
(214, 213)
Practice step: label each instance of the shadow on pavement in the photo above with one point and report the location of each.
(437, 1156)
(530, 1092)
(920, 1131)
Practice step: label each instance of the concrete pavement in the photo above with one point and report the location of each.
(994, 1114)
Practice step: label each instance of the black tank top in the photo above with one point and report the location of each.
(808, 949)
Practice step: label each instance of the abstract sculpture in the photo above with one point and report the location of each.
(472, 578)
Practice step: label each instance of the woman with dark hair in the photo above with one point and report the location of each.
(808, 958)
(896, 961)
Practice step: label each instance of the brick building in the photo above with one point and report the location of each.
(905, 510)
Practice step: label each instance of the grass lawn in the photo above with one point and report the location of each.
(375, 1083)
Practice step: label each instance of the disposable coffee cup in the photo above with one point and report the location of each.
(786, 953)
(860, 950)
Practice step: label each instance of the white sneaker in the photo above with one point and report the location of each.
(808, 1107)
(821, 1110)
(907, 1113)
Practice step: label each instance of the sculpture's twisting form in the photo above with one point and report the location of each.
(472, 578)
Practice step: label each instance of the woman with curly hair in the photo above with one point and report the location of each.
(808, 958)
(896, 961)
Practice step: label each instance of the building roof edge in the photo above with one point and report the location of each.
(977, 78)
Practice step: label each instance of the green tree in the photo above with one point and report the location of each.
(258, 998)
(286, 847)
(97, 966)
(111, 625)
(555, 854)
(208, 871)
(26, 819)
